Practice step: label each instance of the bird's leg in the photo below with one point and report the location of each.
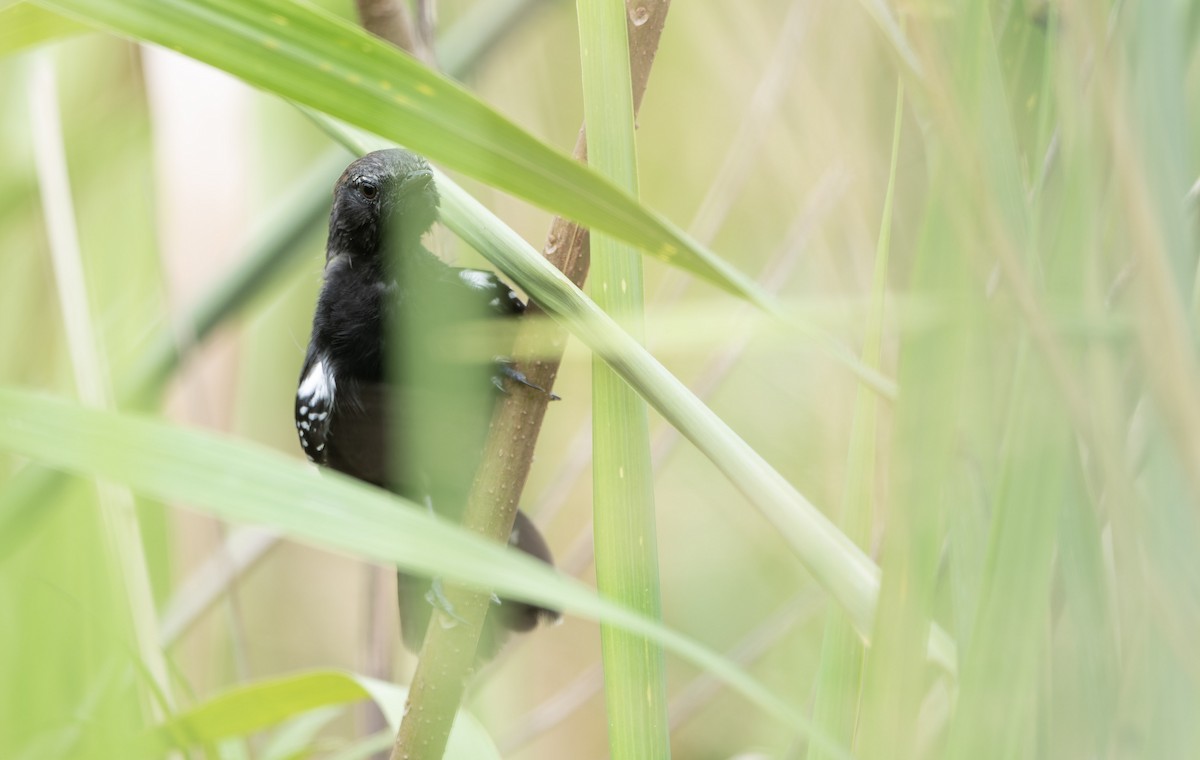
(506, 368)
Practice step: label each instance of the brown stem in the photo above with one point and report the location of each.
(388, 19)
(446, 658)
(392, 20)
(425, 24)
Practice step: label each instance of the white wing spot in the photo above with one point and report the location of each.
(318, 386)
(476, 279)
(316, 392)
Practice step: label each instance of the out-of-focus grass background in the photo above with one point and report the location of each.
(1033, 489)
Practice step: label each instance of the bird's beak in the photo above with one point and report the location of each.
(416, 182)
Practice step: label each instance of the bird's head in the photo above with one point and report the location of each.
(385, 198)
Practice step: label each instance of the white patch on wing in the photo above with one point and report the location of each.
(477, 279)
(314, 401)
(318, 386)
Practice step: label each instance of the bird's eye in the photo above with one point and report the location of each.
(368, 189)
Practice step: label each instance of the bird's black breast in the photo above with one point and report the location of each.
(413, 422)
(351, 320)
(341, 399)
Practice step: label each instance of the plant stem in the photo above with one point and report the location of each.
(438, 683)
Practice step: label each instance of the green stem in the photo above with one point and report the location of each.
(623, 480)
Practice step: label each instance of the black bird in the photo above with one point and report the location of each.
(386, 393)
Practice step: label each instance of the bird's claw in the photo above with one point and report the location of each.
(506, 369)
(436, 596)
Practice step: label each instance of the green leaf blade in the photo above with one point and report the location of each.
(237, 481)
(23, 26)
(319, 60)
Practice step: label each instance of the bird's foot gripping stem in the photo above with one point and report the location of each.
(506, 369)
(436, 596)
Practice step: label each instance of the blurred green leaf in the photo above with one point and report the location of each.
(371, 746)
(23, 25)
(240, 481)
(262, 704)
(293, 740)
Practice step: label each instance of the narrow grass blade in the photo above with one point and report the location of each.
(842, 651)
(635, 684)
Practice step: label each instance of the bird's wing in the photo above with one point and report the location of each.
(314, 405)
